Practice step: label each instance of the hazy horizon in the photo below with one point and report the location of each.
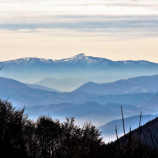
(54, 59)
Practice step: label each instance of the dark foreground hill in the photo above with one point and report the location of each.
(140, 143)
(108, 129)
(148, 134)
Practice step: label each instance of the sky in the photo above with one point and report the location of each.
(113, 29)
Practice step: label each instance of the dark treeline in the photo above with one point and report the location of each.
(48, 138)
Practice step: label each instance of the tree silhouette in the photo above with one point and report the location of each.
(11, 133)
(48, 138)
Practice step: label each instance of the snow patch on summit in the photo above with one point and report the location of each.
(80, 58)
(30, 60)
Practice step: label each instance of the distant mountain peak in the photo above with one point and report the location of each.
(84, 59)
(29, 60)
(80, 56)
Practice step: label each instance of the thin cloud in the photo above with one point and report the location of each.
(94, 16)
(83, 22)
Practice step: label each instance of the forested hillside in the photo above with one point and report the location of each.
(47, 138)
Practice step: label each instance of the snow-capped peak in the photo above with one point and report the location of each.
(82, 58)
(79, 56)
(29, 60)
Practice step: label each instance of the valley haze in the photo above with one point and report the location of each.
(85, 87)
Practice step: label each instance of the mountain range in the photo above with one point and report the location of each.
(31, 95)
(85, 68)
(83, 105)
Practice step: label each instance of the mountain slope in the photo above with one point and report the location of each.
(22, 95)
(147, 134)
(144, 84)
(108, 129)
(136, 99)
(40, 87)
